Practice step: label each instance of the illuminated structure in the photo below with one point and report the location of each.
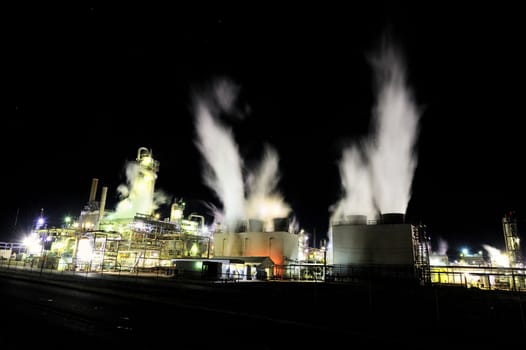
(93, 212)
(280, 245)
(142, 189)
(512, 240)
(500, 271)
(130, 238)
(133, 238)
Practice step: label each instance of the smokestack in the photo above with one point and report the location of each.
(102, 202)
(93, 191)
(393, 218)
(281, 224)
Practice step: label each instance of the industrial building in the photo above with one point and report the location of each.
(387, 245)
(133, 239)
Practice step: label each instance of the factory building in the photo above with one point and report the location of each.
(133, 238)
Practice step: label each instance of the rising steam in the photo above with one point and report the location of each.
(392, 153)
(356, 183)
(263, 200)
(497, 258)
(223, 165)
(223, 168)
(380, 178)
(138, 195)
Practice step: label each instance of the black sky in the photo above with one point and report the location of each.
(93, 84)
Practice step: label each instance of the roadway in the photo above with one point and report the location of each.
(68, 312)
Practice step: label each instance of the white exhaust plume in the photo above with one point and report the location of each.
(223, 166)
(392, 153)
(264, 202)
(137, 195)
(497, 257)
(380, 179)
(356, 182)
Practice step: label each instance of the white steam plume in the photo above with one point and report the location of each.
(137, 195)
(380, 178)
(223, 167)
(442, 247)
(497, 257)
(264, 202)
(392, 154)
(356, 182)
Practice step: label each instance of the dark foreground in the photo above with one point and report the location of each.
(146, 313)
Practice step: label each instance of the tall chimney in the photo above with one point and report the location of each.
(102, 202)
(93, 191)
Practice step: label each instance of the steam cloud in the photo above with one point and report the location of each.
(138, 195)
(497, 258)
(264, 202)
(223, 167)
(379, 175)
(357, 187)
(392, 156)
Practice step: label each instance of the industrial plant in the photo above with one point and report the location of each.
(134, 239)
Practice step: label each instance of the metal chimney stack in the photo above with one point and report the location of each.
(102, 202)
(93, 192)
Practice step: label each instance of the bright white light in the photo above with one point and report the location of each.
(85, 250)
(33, 244)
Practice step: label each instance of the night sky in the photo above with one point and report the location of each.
(92, 85)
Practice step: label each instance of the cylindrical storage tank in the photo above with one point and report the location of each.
(356, 219)
(281, 224)
(392, 218)
(255, 225)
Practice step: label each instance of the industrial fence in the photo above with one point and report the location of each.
(480, 277)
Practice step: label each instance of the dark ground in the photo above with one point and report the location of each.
(139, 313)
